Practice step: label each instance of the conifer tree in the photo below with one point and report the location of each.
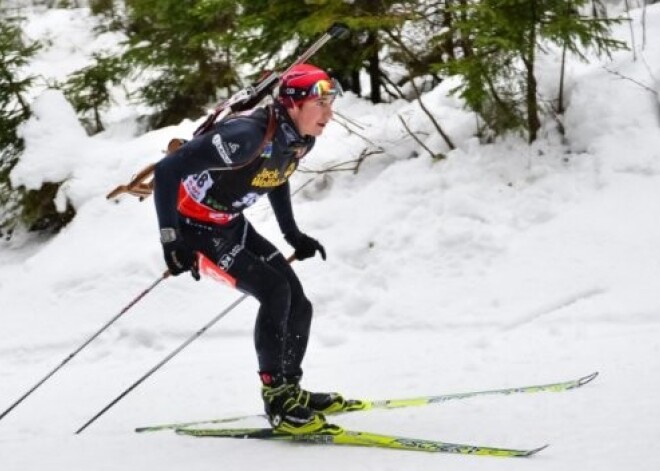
(33, 209)
(505, 36)
(423, 38)
(187, 44)
(89, 89)
(267, 24)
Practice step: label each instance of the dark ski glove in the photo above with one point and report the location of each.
(178, 256)
(304, 245)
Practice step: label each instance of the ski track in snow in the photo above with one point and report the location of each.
(566, 303)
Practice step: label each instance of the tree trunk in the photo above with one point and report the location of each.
(466, 40)
(98, 124)
(355, 81)
(373, 68)
(533, 121)
(448, 45)
(560, 99)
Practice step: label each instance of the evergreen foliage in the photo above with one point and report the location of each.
(193, 48)
(265, 25)
(111, 10)
(505, 37)
(188, 44)
(89, 89)
(33, 209)
(102, 7)
(188, 54)
(423, 38)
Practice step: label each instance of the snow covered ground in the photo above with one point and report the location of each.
(503, 265)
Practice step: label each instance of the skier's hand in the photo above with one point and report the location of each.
(304, 245)
(178, 256)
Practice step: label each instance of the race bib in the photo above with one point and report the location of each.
(198, 185)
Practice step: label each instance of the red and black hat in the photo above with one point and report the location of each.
(305, 82)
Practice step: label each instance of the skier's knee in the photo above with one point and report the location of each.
(275, 290)
(306, 309)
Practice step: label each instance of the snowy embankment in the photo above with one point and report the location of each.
(502, 265)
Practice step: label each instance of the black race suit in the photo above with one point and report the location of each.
(201, 190)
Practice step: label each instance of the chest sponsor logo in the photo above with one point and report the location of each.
(271, 178)
(221, 147)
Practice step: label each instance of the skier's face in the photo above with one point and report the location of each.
(312, 116)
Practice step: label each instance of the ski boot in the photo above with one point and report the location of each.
(284, 412)
(325, 403)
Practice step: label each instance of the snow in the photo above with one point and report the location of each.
(503, 265)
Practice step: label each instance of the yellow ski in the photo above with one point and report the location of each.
(334, 435)
(364, 405)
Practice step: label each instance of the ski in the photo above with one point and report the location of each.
(334, 435)
(365, 405)
(428, 400)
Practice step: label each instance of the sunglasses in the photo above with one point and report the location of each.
(320, 89)
(324, 88)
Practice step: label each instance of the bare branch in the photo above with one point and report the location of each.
(348, 165)
(431, 117)
(618, 74)
(632, 31)
(346, 126)
(419, 141)
(347, 119)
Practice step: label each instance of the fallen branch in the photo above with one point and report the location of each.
(419, 141)
(352, 131)
(348, 165)
(618, 74)
(431, 117)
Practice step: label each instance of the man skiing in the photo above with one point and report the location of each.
(200, 193)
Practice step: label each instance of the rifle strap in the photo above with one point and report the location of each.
(142, 184)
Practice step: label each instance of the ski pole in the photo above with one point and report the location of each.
(174, 353)
(70, 357)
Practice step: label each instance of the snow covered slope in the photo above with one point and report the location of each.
(500, 266)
